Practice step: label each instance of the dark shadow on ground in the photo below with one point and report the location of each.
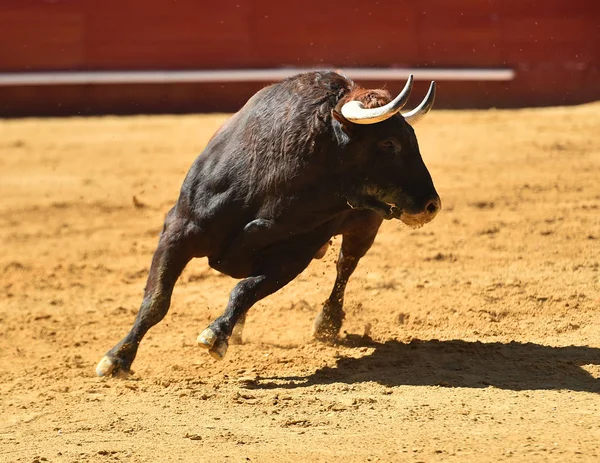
(516, 366)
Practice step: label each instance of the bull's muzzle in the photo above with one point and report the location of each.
(431, 209)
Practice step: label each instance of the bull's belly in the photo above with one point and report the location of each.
(263, 245)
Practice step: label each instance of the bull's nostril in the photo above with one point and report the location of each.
(432, 207)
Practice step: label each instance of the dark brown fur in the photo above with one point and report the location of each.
(276, 182)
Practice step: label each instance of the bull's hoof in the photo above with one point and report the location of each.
(106, 367)
(207, 339)
(219, 350)
(325, 336)
(327, 328)
(112, 367)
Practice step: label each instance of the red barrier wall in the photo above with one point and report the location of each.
(553, 45)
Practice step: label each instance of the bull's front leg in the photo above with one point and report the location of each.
(254, 236)
(358, 232)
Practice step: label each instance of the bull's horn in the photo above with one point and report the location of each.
(355, 112)
(414, 116)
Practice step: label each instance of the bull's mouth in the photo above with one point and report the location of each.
(392, 210)
(396, 212)
(386, 210)
(414, 220)
(411, 220)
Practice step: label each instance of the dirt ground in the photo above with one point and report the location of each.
(483, 341)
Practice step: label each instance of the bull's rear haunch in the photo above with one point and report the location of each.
(304, 160)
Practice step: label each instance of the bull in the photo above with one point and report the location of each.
(305, 159)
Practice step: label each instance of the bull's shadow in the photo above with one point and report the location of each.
(515, 366)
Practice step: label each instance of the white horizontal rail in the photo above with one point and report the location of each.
(241, 75)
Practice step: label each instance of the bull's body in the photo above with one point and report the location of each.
(267, 169)
(275, 183)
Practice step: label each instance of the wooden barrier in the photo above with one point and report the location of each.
(552, 46)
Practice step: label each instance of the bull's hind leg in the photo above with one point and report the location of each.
(174, 251)
(281, 269)
(238, 329)
(358, 232)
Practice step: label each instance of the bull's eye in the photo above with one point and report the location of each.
(389, 146)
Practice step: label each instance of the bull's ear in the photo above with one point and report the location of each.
(346, 126)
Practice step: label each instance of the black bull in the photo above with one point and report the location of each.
(293, 168)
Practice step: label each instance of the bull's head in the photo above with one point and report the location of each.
(389, 174)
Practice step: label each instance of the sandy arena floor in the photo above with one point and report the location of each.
(484, 325)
